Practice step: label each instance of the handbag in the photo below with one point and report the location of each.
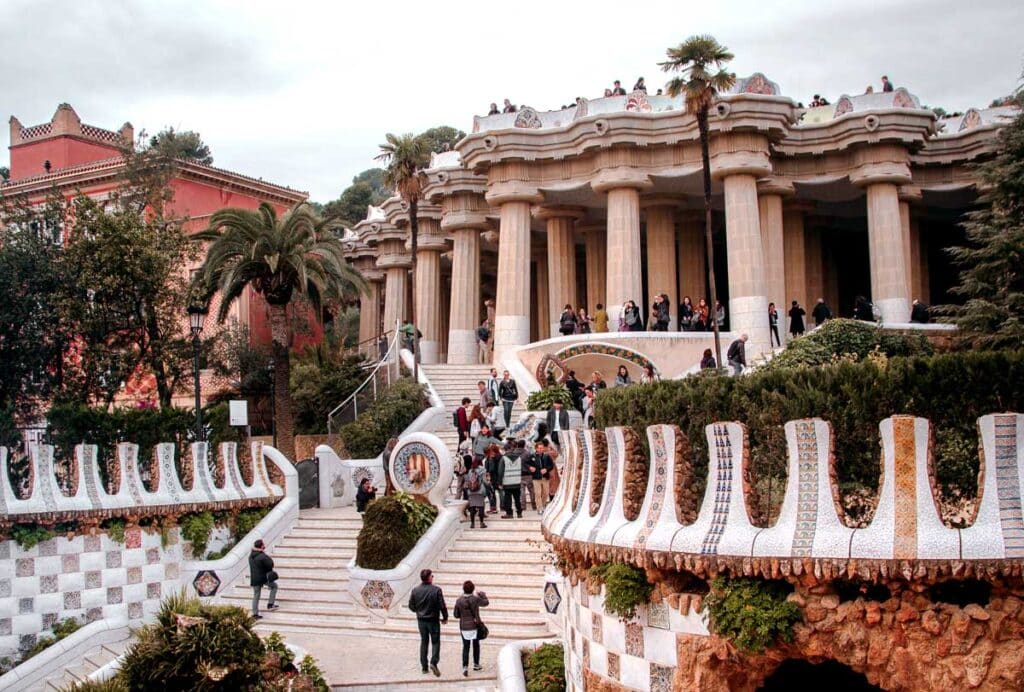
(271, 577)
(481, 631)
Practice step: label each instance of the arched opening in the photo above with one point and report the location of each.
(796, 674)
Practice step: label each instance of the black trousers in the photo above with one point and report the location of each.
(775, 333)
(429, 630)
(465, 651)
(512, 494)
(556, 438)
(473, 511)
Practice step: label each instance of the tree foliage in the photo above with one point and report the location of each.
(390, 414)
(320, 380)
(991, 279)
(186, 145)
(441, 138)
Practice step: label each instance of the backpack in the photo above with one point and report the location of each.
(455, 419)
(474, 481)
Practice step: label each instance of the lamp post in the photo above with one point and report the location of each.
(196, 316)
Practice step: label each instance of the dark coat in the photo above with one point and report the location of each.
(260, 566)
(536, 464)
(427, 601)
(507, 390)
(467, 610)
(563, 419)
(796, 320)
(363, 498)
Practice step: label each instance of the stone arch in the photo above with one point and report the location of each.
(796, 673)
(597, 348)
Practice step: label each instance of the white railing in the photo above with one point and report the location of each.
(386, 369)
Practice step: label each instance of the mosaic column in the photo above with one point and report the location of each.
(512, 310)
(748, 301)
(624, 279)
(692, 257)
(774, 244)
(561, 265)
(595, 240)
(661, 255)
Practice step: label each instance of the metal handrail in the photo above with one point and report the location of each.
(372, 340)
(388, 363)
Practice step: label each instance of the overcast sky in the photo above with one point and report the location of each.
(301, 93)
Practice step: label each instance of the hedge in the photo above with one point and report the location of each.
(392, 412)
(952, 390)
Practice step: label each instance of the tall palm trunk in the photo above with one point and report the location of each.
(702, 125)
(283, 423)
(414, 231)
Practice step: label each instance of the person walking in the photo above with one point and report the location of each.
(737, 355)
(477, 492)
(821, 312)
(467, 611)
(796, 320)
(508, 393)
(773, 325)
(539, 466)
(261, 573)
(492, 386)
(558, 420)
(427, 601)
(600, 319)
(492, 476)
(509, 480)
(460, 419)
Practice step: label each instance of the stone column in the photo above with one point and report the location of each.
(560, 263)
(595, 240)
(796, 259)
(907, 196)
(814, 263)
(464, 217)
(692, 257)
(919, 262)
(369, 311)
(748, 301)
(427, 293)
(624, 280)
(512, 310)
(661, 255)
(543, 269)
(774, 244)
(882, 169)
(395, 261)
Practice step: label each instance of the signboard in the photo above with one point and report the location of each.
(238, 412)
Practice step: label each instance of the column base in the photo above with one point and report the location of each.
(462, 347)
(894, 309)
(429, 352)
(510, 331)
(749, 315)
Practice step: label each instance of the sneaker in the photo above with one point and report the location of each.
(257, 617)
(483, 525)
(434, 670)
(477, 666)
(465, 672)
(506, 516)
(272, 606)
(425, 671)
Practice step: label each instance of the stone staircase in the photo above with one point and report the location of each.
(95, 659)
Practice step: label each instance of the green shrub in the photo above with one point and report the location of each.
(752, 613)
(112, 685)
(309, 668)
(115, 527)
(545, 398)
(320, 380)
(30, 535)
(625, 587)
(419, 515)
(544, 668)
(390, 414)
(952, 390)
(196, 529)
(851, 340)
(218, 554)
(275, 644)
(386, 536)
(247, 520)
(61, 630)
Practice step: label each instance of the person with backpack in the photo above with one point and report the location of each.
(509, 478)
(261, 573)
(471, 627)
(474, 485)
(493, 467)
(567, 322)
(460, 419)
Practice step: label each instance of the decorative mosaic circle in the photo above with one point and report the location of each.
(416, 468)
(359, 473)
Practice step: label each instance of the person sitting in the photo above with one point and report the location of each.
(494, 109)
(617, 89)
(509, 108)
(919, 313)
(364, 495)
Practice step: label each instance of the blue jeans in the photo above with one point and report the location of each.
(429, 630)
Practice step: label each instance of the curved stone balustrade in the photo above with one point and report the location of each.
(171, 493)
(906, 536)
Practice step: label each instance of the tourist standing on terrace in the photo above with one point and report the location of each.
(467, 610)
(509, 108)
(700, 316)
(622, 377)
(737, 355)
(600, 319)
(863, 310)
(630, 320)
(494, 109)
(508, 393)
(821, 312)
(427, 601)
(719, 315)
(261, 573)
(886, 84)
(583, 322)
(567, 322)
(685, 314)
(617, 89)
(640, 86)
(796, 320)
(773, 324)
(483, 342)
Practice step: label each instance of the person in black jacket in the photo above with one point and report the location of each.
(737, 355)
(821, 312)
(919, 313)
(508, 393)
(796, 320)
(558, 421)
(365, 493)
(427, 601)
(261, 569)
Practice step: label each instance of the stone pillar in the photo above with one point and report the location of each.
(813, 263)
(907, 196)
(882, 169)
(748, 301)
(427, 293)
(464, 217)
(919, 262)
(661, 256)
(595, 240)
(692, 257)
(395, 261)
(369, 312)
(624, 279)
(544, 274)
(796, 259)
(774, 244)
(512, 310)
(560, 263)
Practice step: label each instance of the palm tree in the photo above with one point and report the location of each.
(281, 259)
(695, 58)
(406, 156)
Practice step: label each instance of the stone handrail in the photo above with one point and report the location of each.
(905, 537)
(47, 502)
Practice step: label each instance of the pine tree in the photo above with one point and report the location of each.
(992, 262)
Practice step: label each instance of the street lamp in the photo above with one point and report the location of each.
(196, 316)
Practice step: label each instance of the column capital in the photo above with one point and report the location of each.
(911, 194)
(776, 186)
(513, 191)
(889, 172)
(392, 260)
(672, 201)
(373, 275)
(559, 212)
(464, 220)
(621, 177)
(755, 163)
